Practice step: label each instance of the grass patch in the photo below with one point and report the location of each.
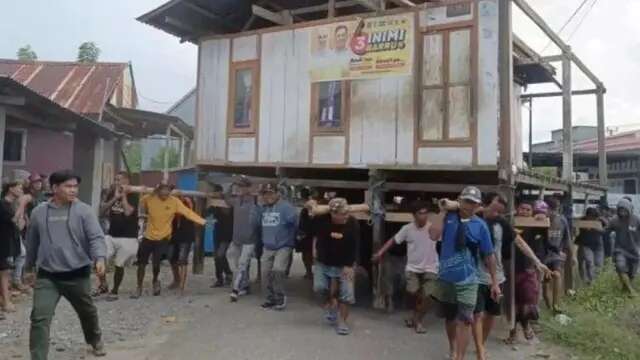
(605, 322)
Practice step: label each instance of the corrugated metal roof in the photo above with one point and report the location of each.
(190, 19)
(79, 87)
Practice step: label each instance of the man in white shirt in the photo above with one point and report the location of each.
(422, 260)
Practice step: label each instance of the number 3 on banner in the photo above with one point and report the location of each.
(359, 44)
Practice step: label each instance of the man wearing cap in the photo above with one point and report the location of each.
(465, 241)
(160, 209)
(276, 221)
(626, 252)
(336, 238)
(243, 240)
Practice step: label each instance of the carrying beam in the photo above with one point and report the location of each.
(405, 3)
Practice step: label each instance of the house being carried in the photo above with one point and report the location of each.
(392, 97)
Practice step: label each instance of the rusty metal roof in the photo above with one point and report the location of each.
(56, 115)
(79, 87)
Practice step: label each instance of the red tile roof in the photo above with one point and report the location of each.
(624, 141)
(79, 87)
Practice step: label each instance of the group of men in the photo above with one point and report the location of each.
(454, 258)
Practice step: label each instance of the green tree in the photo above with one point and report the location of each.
(88, 52)
(26, 53)
(133, 155)
(157, 162)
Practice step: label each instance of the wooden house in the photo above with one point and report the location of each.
(391, 96)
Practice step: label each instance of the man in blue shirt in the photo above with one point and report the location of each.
(465, 240)
(276, 221)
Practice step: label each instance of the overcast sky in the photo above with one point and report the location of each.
(164, 70)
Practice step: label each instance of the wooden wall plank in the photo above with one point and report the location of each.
(245, 48)
(445, 156)
(297, 95)
(488, 81)
(212, 110)
(242, 149)
(275, 52)
(406, 120)
(328, 149)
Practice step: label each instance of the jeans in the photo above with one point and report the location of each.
(46, 295)
(220, 261)
(239, 258)
(275, 264)
(18, 264)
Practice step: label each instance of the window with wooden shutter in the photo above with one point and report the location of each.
(446, 113)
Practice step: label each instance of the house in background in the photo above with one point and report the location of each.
(623, 159)
(41, 134)
(90, 90)
(185, 110)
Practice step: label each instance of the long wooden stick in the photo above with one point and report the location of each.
(176, 192)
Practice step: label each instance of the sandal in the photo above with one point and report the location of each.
(101, 290)
(409, 323)
(513, 337)
(420, 329)
(343, 329)
(331, 316)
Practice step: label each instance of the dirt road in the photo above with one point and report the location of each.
(203, 324)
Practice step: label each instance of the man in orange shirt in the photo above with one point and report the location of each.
(160, 208)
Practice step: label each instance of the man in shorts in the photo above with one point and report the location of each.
(160, 208)
(626, 252)
(336, 238)
(465, 242)
(121, 208)
(557, 246)
(422, 261)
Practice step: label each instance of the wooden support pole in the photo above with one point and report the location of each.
(509, 193)
(602, 150)
(567, 131)
(505, 66)
(3, 126)
(530, 162)
(167, 145)
(331, 11)
(382, 297)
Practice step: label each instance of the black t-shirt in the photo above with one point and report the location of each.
(536, 239)
(9, 237)
(591, 238)
(336, 244)
(121, 225)
(184, 230)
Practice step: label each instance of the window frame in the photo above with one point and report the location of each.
(254, 66)
(345, 98)
(23, 150)
(445, 31)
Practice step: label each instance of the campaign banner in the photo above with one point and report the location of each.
(363, 49)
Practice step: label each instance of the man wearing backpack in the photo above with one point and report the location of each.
(465, 241)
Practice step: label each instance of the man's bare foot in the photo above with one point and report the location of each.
(137, 294)
(9, 307)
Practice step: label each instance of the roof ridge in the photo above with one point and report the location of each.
(63, 62)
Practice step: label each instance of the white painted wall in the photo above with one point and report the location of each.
(213, 85)
(328, 149)
(443, 156)
(242, 149)
(381, 129)
(488, 79)
(245, 48)
(284, 97)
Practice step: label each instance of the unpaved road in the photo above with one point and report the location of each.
(203, 324)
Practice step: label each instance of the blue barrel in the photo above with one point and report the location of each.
(209, 235)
